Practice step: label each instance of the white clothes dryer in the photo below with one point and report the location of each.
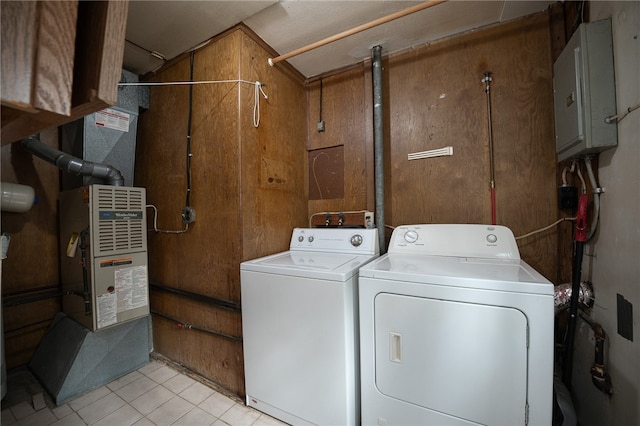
(300, 327)
(455, 329)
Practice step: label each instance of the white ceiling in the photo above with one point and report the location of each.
(170, 28)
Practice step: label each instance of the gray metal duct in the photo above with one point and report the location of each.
(378, 144)
(71, 164)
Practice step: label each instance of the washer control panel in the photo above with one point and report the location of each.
(459, 240)
(340, 240)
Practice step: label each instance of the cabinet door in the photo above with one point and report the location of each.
(49, 77)
(38, 44)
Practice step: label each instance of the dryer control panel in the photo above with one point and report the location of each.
(456, 240)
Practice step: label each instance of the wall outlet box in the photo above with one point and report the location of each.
(584, 92)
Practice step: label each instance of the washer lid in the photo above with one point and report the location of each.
(309, 264)
(512, 275)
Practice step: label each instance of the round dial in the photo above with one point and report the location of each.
(411, 236)
(491, 238)
(356, 240)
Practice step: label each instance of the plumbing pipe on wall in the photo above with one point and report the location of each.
(576, 273)
(71, 164)
(378, 144)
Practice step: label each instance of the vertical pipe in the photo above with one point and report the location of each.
(378, 146)
(580, 239)
(487, 80)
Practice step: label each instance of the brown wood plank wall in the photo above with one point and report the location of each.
(247, 189)
(249, 185)
(31, 267)
(433, 97)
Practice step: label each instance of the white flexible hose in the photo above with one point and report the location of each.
(596, 198)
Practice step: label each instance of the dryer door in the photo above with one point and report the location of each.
(461, 359)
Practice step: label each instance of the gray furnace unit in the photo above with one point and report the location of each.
(104, 272)
(105, 329)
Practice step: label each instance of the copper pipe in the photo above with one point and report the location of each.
(356, 30)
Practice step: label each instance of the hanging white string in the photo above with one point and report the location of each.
(256, 103)
(256, 99)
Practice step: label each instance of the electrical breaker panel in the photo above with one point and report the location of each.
(103, 251)
(585, 93)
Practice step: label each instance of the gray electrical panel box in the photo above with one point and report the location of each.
(585, 93)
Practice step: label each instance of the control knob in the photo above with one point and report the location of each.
(411, 236)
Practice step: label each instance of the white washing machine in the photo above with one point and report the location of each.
(455, 329)
(300, 327)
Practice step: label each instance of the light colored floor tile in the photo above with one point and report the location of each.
(170, 411)
(88, 398)
(195, 417)
(43, 417)
(178, 383)
(266, 420)
(220, 423)
(151, 400)
(22, 410)
(196, 393)
(101, 408)
(144, 422)
(124, 380)
(240, 415)
(136, 388)
(217, 404)
(162, 374)
(153, 365)
(7, 418)
(72, 419)
(124, 416)
(62, 411)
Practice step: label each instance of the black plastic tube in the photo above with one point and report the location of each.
(188, 326)
(573, 314)
(71, 164)
(221, 303)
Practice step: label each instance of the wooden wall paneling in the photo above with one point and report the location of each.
(161, 168)
(524, 139)
(24, 327)
(34, 241)
(247, 189)
(273, 155)
(343, 111)
(215, 181)
(435, 102)
(434, 97)
(202, 260)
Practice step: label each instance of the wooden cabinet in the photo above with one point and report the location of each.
(60, 61)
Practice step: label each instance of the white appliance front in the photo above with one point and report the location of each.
(449, 340)
(300, 329)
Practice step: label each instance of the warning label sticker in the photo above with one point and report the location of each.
(112, 119)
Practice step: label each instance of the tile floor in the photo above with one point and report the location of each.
(156, 394)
